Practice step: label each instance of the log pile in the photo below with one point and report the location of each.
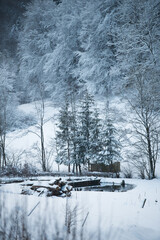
(56, 188)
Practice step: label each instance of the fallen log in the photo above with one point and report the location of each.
(85, 183)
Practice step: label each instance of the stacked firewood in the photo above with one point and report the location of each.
(55, 188)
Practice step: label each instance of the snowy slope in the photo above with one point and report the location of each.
(24, 140)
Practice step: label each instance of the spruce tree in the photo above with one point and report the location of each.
(111, 145)
(96, 139)
(63, 136)
(86, 128)
(75, 136)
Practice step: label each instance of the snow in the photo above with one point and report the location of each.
(113, 215)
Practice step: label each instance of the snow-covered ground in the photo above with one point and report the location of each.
(103, 215)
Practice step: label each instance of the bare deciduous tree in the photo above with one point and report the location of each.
(7, 103)
(146, 123)
(40, 113)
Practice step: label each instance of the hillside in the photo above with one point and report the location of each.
(21, 143)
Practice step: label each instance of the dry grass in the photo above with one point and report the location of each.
(15, 224)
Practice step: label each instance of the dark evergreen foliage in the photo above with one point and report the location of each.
(81, 139)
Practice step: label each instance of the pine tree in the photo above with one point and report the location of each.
(87, 127)
(80, 138)
(96, 140)
(63, 136)
(75, 136)
(68, 137)
(111, 145)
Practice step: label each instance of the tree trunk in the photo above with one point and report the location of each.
(80, 172)
(69, 166)
(43, 150)
(0, 159)
(58, 168)
(3, 154)
(151, 174)
(73, 170)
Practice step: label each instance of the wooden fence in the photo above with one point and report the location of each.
(100, 167)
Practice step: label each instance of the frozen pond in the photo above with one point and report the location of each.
(107, 187)
(23, 186)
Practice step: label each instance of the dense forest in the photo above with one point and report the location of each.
(61, 49)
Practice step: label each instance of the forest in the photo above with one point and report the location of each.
(77, 55)
(79, 119)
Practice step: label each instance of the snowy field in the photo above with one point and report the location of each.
(94, 215)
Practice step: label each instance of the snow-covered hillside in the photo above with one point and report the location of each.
(22, 142)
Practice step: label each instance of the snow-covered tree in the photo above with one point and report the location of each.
(90, 128)
(144, 103)
(136, 33)
(62, 61)
(111, 145)
(40, 112)
(75, 135)
(96, 139)
(78, 136)
(37, 38)
(86, 121)
(97, 55)
(7, 107)
(63, 136)
(48, 43)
